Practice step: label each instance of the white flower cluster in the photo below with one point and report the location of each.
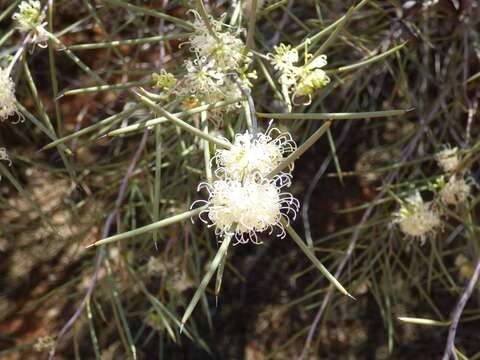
(164, 80)
(417, 218)
(7, 95)
(300, 81)
(30, 18)
(458, 188)
(448, 159)
(4, 156)
(210, 85)
(219, 67)
(44, 343)
(244, 200)
(261, 155)
(223, 50)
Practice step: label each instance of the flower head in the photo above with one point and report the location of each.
(164, 80)
(156, 266)
(224, 48)
(456, 191)
(205, 83)
(219, 69)
(4, 156)
(245, 208)
(7, 95)
(448, 159)
(284, 59)
(44, 343)
(300, 81)
(30, 18)
(202, 78)
(417, 218)
(312, 77)
(250, 155)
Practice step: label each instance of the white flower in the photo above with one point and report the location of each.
(250, 155)
(417, 218)
(164, 80)
(312, 77)
(7, 95)
(44, 343)
(220, 67)
(456, 191)
(30, 18)
(225, 50)
(243, 201)
(202, 79)
(301, 81)
(4, 156)
(448, 159)
(245, 208)
(229, 90)
(204, 83)
(317, 63)
(156, 266)
(284, 59)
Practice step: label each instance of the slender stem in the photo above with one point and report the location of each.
(204, 15)
(74, 58)
(311, 256)
(206, 149)
(140, 41)
(421, 321)
(221, 253)
(251, 27)
(270, 8)
(301, 149)
(367, 61)
(151, 227)
(182, 124)
(5, 37)
(333, 116)
(251, 105)
(18, 54)
(53, 74)
(323, 48)
(153, 122)
(325, 31)
(108, 87)
(111, 119)
(457, 313)
(154, 13)
(9, 10)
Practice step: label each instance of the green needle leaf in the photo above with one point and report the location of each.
(182, 124)
(153, 122)
(221, 253)
(298, 240)
(333, 116)
(151, 227)
(421, 321)
(367, 61)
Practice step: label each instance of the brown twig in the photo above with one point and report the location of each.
(457, 313)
